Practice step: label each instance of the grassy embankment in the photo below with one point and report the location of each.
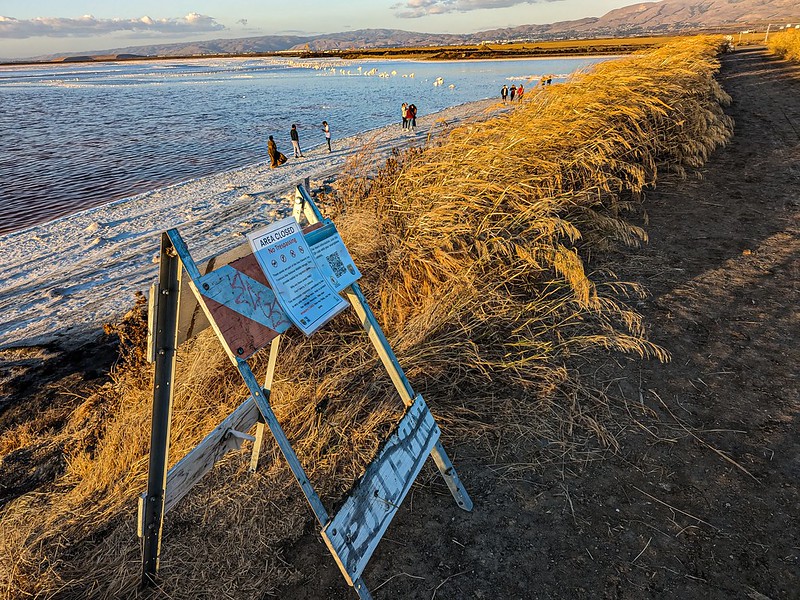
(786, 44)
(475, 251)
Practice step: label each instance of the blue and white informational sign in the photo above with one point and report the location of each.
(304, 293)
(333, 259)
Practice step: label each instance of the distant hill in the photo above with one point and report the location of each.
(382, 38)
(362, 38)
(667, 16)
(682, 14)
(266, 43)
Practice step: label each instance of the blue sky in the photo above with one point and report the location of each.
(31, 28)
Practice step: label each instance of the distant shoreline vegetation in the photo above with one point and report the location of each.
(482, 51)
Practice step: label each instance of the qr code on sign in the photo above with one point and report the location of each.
(336, 264)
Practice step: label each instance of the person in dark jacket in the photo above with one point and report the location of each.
(296, 142)
(275, 157)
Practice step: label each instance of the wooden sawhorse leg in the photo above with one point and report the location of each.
(257, 444)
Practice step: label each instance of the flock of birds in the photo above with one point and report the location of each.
(439, 81)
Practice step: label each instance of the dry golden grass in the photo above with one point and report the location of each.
(474, 251)
(786, 44)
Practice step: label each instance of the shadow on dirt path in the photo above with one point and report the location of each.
(723, 266)
(701, 501)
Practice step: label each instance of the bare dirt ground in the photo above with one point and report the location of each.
(700, 499)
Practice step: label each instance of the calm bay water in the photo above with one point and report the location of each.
(80, 135)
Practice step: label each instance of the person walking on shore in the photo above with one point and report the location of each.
(275, 157)
(404, 112)
(296, 142)
(412, 111)
(504, 93)
(513, 92)
(327, 131)
(520, 91)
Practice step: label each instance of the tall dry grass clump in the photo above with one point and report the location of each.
(786, 44)
(475, 254)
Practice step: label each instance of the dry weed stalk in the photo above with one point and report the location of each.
(786, 44)
(474, 252)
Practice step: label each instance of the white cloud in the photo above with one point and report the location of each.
(88, 25)
(412, 9)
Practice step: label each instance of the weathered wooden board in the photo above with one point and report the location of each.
(191, 468)
(353, 534)
(246, 312)
(191, 317)
(152, 325)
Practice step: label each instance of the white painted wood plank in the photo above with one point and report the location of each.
(191, 468)
(152, 311)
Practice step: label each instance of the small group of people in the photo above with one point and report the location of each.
(409, 115)
(277, 158)
(515, 93)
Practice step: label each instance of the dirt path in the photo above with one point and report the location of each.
(702, 499)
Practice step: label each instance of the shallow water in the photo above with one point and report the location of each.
(80, 135)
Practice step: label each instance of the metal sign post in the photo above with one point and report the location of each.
(165, 295)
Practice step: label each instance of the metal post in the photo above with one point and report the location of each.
(261, 396)
(165, 346)
(305, 205)
(403, 386)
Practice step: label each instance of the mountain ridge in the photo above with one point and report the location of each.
(661, 17)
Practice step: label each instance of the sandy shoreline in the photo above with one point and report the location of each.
(61, 280)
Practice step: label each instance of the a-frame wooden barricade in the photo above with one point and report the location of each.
(213, 298)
